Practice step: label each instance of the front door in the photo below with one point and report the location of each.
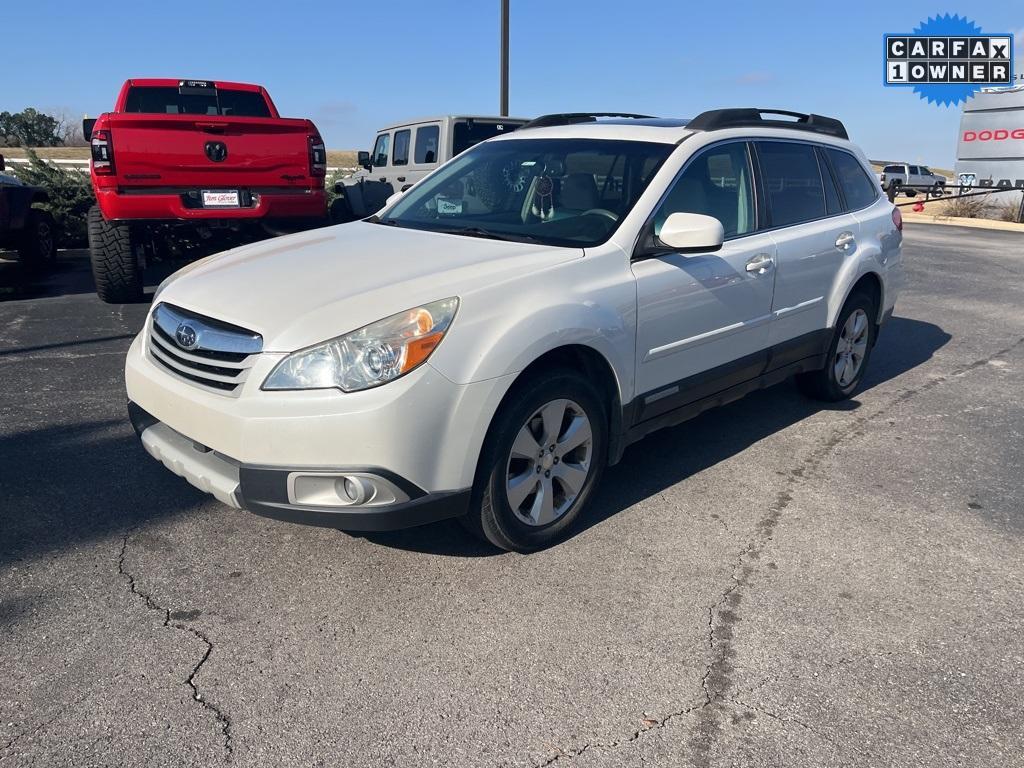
(703, 320)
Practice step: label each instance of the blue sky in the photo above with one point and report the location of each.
(352, 66)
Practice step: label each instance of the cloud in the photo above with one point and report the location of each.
(754, 78)
(332, 113)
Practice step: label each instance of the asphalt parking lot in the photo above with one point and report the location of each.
(774, 583)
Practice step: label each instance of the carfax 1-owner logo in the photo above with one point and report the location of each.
(948, 59)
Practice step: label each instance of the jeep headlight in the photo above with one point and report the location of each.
(371, 356)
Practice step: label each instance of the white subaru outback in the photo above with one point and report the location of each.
(499, 333)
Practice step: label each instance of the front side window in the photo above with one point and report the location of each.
(401, 156)
(427, 139)
(568, 192)
(717, 183)
(380, 150)
(859, 189)
(792, 182)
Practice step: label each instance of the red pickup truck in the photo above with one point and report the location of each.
(187, 167)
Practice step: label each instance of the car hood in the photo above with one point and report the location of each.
(303, 289)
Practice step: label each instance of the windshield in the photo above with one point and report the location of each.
(569, 192)
(163, 100)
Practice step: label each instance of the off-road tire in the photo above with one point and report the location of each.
(115, 263)
(38, 247)
(490, 517)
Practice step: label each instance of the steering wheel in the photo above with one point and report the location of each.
(601, 212)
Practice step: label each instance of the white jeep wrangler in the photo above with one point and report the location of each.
(494, 338)
(405, 153)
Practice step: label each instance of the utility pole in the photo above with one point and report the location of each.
(504, 58)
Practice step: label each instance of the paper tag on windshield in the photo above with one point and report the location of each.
(449, 206)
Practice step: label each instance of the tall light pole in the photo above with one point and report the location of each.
(504, 58)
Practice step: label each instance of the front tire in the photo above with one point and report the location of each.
(543, 457)
(848, 353)
(115, 261)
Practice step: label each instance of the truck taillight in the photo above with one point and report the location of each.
(102, 153)
(317, 157)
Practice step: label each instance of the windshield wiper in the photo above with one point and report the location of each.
(481, 232)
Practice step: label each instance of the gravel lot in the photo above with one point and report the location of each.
(772, 584)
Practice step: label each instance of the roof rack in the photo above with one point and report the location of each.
(717, 119)
(571, 118)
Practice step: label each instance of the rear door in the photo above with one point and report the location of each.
(425, 152)
(813, 235)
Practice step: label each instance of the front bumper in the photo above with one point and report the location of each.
(265, 490)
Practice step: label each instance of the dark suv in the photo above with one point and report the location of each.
(23, 227)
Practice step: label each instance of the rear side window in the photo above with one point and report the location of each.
(858, 188)
(380, 150)
(469, 133)
(401, 154)
(792, 181)
(160, 100)
(833, 205)
(427, 137)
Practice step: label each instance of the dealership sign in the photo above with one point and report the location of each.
(947, 59)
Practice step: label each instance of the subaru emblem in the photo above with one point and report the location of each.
(186, 336)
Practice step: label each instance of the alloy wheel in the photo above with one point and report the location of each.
(851, 348)
(549, 462)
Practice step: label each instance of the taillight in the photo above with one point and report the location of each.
(102, 153)
(897, 219)
(317, 156)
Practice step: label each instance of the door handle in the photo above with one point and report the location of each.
(760, 263)
(400, 178)
(845, 241)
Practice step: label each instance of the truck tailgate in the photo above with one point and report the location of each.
(199, 151)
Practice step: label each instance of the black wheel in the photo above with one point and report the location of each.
(38, 246)
(848, 354)
(544, 454)
(115, 260)
(340, 211)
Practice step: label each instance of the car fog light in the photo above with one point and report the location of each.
(342, 489)
(356, 489)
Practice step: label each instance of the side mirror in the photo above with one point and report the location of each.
(87, 125)
(692, 233)
(363, 159)
(393, 199)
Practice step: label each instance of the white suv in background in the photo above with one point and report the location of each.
(500, 333)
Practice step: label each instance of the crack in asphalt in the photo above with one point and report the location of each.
(724, 614)
(222, 718)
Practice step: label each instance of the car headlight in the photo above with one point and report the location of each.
(371, 356)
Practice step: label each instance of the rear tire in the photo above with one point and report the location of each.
(549, 488)
(39, 241)
(115, 263)
(848, 353)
